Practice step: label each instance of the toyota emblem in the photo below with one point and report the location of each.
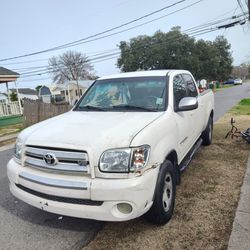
(50, 159)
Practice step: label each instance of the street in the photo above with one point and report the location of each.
(227, 98)
(25, 227)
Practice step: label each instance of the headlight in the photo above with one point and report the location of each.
(18, 150)
(124, 160)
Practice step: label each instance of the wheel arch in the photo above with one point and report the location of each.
(212, 113)
(173, 157)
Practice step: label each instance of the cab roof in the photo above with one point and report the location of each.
(143, 73)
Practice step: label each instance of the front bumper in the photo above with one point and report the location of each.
(137, 192)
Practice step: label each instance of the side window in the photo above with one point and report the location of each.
(191, 87)
(179, 87)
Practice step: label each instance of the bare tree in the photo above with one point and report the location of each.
(241, 71)
(70, 65)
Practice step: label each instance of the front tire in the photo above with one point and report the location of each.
(207, 134)
(163, 205)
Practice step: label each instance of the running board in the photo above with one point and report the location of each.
(185, 162)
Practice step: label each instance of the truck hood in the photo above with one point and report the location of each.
(89, 130)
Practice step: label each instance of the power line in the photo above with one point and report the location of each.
(95, 35)
(48, 70)
(40, 60)
(133, 27)
(190, 31)
(110, 50)
(195, 31)
(94, 57)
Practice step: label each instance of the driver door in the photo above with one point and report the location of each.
(184, 121)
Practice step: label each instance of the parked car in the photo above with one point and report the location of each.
(229, 81)
(238, 81)
(119, 153)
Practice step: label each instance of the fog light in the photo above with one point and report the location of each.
(124, 208)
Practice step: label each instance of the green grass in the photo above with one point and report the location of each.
(242, 108)
(244, 102)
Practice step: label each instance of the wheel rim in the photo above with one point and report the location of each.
(167, 192)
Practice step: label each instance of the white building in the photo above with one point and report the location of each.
(25, 93)
(67, 92)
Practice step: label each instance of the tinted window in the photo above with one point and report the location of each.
(190, 85)
(179, 89)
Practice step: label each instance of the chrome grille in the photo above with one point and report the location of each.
(65, 160)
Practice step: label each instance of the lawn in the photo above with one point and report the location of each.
(243, 107)
(205, 205)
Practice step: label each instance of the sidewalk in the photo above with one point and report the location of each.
(6, 139)
(240, 235)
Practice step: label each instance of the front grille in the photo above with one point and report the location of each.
(60, 199)
(63, 160)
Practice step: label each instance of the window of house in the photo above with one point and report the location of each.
(76, 92)
(81, 92)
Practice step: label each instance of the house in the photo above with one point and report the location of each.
(51, 93)
(72, 90)
(57, 92)
(25, 93)
(68, 92)
(45, 94)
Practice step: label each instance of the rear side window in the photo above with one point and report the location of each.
(190, 85)
(179, 87)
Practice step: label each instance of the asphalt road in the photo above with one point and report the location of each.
(227, 98)
(25, 227)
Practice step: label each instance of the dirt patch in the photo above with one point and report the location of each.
(205, 205)
(11, 129)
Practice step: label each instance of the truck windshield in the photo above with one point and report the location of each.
(141, 94)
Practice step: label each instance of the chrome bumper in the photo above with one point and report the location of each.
(53, 182)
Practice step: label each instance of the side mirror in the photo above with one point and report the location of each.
(188, 103)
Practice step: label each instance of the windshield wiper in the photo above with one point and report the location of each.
(132, 107)
(89, 107)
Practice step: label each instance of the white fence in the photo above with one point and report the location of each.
(11, 108)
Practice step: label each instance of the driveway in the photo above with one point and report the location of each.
(25, 227)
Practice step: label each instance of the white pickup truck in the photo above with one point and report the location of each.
(119, 153)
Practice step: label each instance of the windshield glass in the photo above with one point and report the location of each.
(126, 94)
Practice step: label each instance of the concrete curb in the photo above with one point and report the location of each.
(240, 235)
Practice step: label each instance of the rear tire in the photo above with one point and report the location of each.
(163, 205)
(207, 134)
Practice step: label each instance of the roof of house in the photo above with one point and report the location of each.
(7, 75)
(82, 83)
(7, 72)
(44, 90)
(25, 91)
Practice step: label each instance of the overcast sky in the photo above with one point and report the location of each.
(30, 26)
